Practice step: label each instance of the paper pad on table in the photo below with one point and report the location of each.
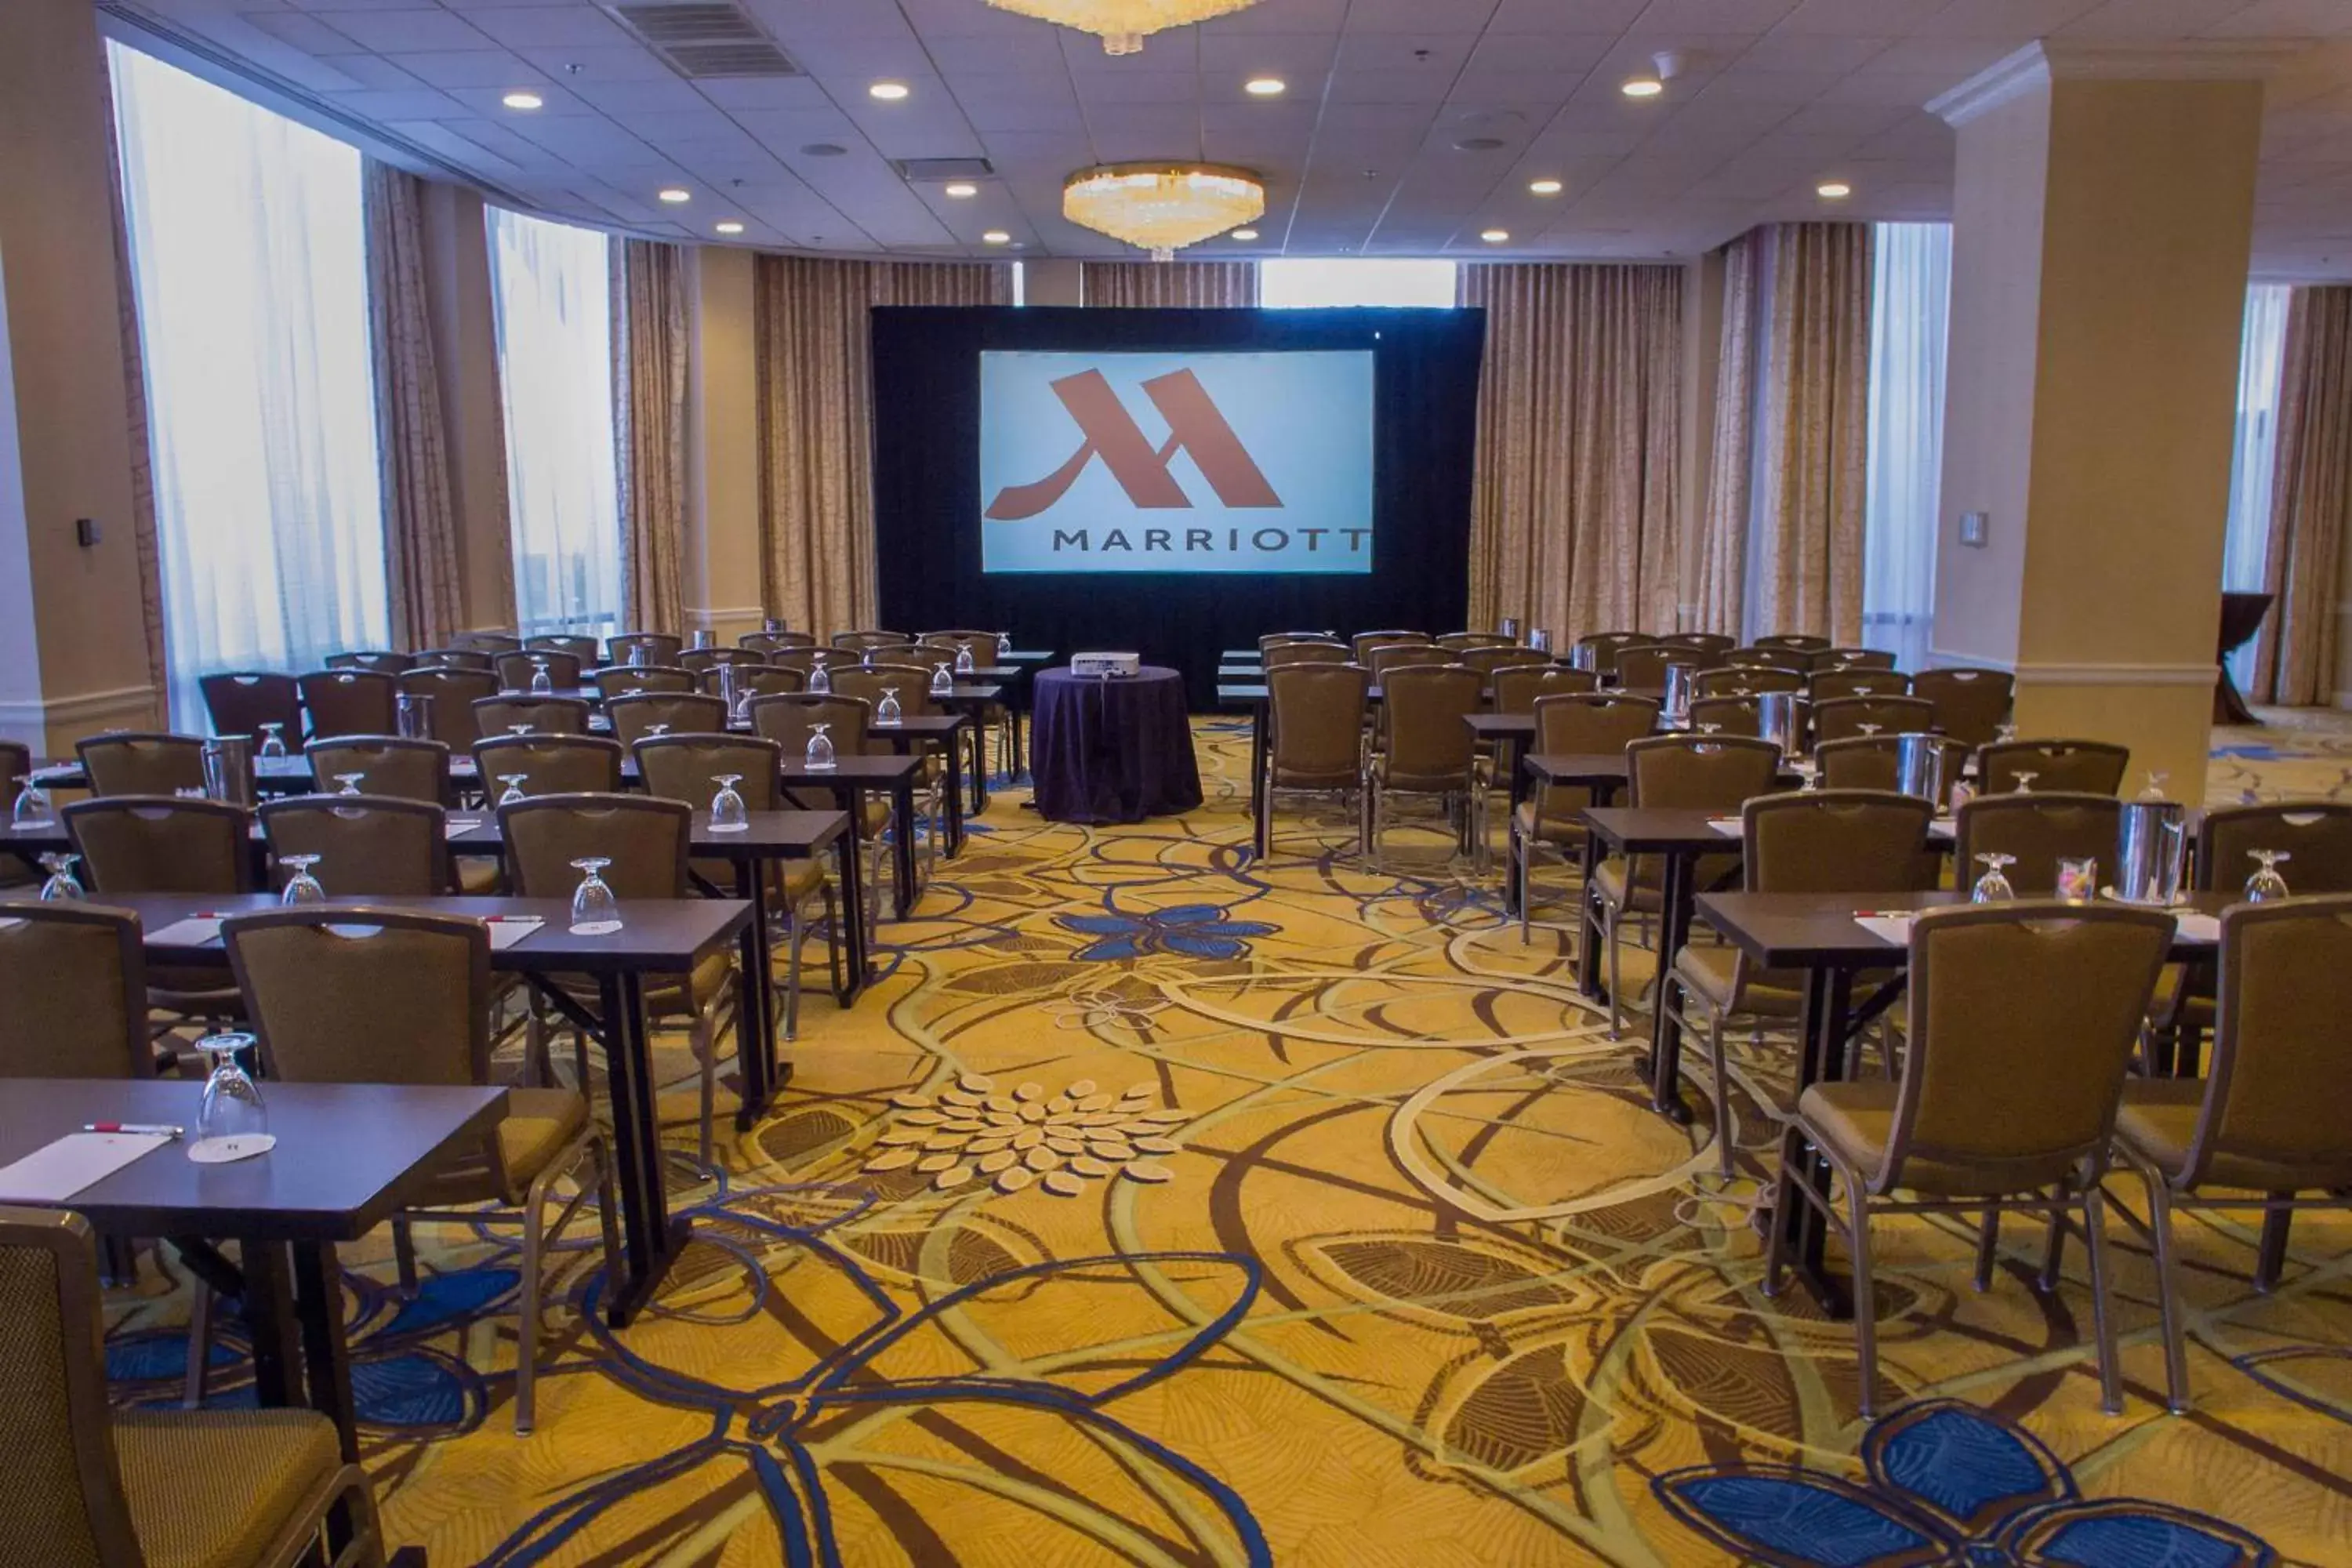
(57, 1171)
(2195, 927)
(509, 930)
(1725, 824)
(1895, 929)
(193, 931)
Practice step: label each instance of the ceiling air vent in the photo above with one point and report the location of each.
(698, 39)
(946, 169)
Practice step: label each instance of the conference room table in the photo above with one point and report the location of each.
(658, 937)
(347, 1157)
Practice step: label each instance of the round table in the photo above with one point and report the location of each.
(1115, 749)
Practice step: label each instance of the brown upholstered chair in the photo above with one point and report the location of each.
(382, 661)
(1283, 653)
(1455, 642)
(1362, 644)
(1712, 645)
(1514, 687)
(515, 670)
(789, 720)
(425, 981)
(615, 682)
(2021, 1018)
(368, 846)
(1490, 661)
(1316, 739)
(857, 641)
(76, 978)
(454, 693)
(350, 701)
(1607, 645)
(1858, 761)
(1270, 638)
(767, 644)
(756, 680)
(490, 641)
(241, 702)
(1421, 746)
(701, 660)
(1821, 841)
(1826, 684)
(1829, 658)
(544, 715)
(150, 844)
(16, 770)
(660, 647)
(1696, 773)
(806, 660)
(549, 764)
(2036, 831)
(1747, 680)
(2268, 1123)
(1596, 724)
(1842, 717)
(1642, 667)
(2093, 767)
(386, 765)
(676, 713)
(582, 649)
(1388, 656)
(1972, 705)
(1795, 642)
(913, 685)
(479, 660)
(2314, 837)
(1794, 660)
(128, 762)
(911, 682)
(214, 1489)
(1727, 716)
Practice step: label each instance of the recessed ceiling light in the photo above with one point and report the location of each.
(1544, 187)
(1265, 86)
(673, 195)
(524, 100)
(1495, 236)
(729, 227)
(887, 91)
(996, 237)
(1833, 190)
(1643, 87)
(1244, 234)
(960, 190)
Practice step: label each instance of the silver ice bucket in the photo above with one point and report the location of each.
(1922, 767)
(703, 639)
(1540, 640)
(415, 716)
(1682, 682)
(228, 770)
(1780, 719)
(1510, 627)
(1584, 656)
(727, 692)
(2151, 845)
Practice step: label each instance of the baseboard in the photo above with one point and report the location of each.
(708, 619)
(2203, 675)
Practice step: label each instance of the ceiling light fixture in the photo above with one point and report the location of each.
(887, 91)
(1544, 187)
(1495, 236)
(729, 227)
(1265, 86)
(1833, 190)
(1162, 208)
(1643, 87)
(1122, 24)
(524, 100)
(1244, 235)
(673, 195)
(961, 190)
(996, 237)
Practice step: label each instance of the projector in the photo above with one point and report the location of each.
(1105, 664)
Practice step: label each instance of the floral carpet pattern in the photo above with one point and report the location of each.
(1165, 1207)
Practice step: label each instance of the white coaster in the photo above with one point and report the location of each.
(224, 1150)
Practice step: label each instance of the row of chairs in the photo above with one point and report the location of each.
(647, 647)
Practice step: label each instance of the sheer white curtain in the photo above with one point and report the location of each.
(2251, 454)
(552, 284)
(1910, 300)
(1310, 282)
(248, 250)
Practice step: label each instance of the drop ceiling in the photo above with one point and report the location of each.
(1360, 153)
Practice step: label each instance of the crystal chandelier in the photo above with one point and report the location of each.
(1162, 207)
(1122, 23)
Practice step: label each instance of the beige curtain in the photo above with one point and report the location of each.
(1730, 492)
(420, 521)
(143, 456)
(1813, 447)
(1574, 494)
(817, 490)
(649, 428)
(1172, 285)
(2311, 500)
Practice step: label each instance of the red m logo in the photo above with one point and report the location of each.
(1194, 425)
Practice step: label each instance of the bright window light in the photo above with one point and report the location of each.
(1310, 282)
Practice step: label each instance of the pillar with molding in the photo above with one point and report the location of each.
(2103, 219)
(721, 554)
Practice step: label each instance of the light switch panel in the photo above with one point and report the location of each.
(1972, 530)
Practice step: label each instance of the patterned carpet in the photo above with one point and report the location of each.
(1163, 1208)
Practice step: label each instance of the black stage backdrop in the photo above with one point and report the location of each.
(927, 484)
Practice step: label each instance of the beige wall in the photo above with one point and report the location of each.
(1051, 282)
(721, 551)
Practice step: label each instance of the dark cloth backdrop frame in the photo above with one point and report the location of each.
(927, 502)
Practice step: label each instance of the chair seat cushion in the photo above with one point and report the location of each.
(666, 998)
(477, 875)
(213, 1489)
(1717, 974)
(1549, 826)
(1610, 877)
(1306, 778)
(541, 1123)
(2157, 1121)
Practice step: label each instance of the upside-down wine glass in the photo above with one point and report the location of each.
(2025, 781)
(942, 681)
(964, 662)
(820, 748)
(302, 888)
(1993, 888)
(513, 792)
(2004, 733)
(541, 683)
(231, 1112)
(2267, 884)
(637, 654)
(594, 910)
(2157, 779)
(887, 711)
(820, 679)
(350, 782)
(518, 729)
(273, 741)
(728, 812)
(62, 886)
(1004, 643)
(866, 656)
(33, 809)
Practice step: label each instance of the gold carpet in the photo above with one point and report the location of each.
(1161, 1207)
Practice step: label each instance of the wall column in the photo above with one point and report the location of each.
(721, 548)
(465, 363)
(2103, 219)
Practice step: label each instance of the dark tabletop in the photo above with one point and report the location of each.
(1501, 726)
(1637, 829)
(1579, 767)
(1802, 931)
(345, 1159)
(768, 834)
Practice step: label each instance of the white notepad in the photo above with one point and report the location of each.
(457, 824)
(193, 931)
(1895, 929)
(2199, 928)
(508, 929)
(56, 1172)
(1729, 826)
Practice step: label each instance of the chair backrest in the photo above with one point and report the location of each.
(1767, 657)
(645, 838)
(545, 715)
(384, 661)
(1826, 684)
(1859, 761)
(1972, 705)
(1712, 644)
(2316, 834)
(155, 843)
(1801, 642)
(1270, 638)
(1486, 661)
(425, 979)
(1829, 658)
(377, 846)
(1318, 724)
(452, 658)
(2095, 767)
(2023, 1018)
(1841, 718)
(16, 762)
(551, 765)
(807, 659)
(683, 767)
(789, 720)
(490, 642)
(685, 713)
(76, 978)
(454, 693)
(1643, 667)
(1516, 688)
(912, 685)
(391, 765)
(1747, 680)
(759, 679)
(870, 637)
(2274, 1114)
(700, 660)
(2038, 830)
(1363, 643)
(1727, 715)
(579, 647)
(516, 670)
(350, 701)
(240, 703)
(768, 643)
(617, 680)
(1284, 653)
(1700, 773)
(1424, 742)
(1385, 656)
(1592, 723)
(1455, 642)
(1608, 646)
(126, 762)
(661, 648)
(1837, 841)
(66, 1502)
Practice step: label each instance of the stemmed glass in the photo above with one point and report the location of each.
(1869, 729)
(231, 1120)
(656, 731)
(594, 910)
(62, 887)
(964, 662)
(1004, 643)
(866, 656)
(273, 741)
(2265, 883)
(541, 683)
(302, 888)
(518, 729)
(33, 809)
(2004, 733)
(513, 792)
(820, 748)
(1993, 888)
(887, 711)
(637, 654)
(350, 782)
(728, 812)
(2157, 779)
(2025, 781)
(1709, 728)
(942, 682)
(819, 681)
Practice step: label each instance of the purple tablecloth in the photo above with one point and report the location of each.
(1111, 751)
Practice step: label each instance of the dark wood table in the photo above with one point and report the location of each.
(1817, 933)
(849, 781)
(932, 732)
(659, 937)
(973, 699)
(347, 1157)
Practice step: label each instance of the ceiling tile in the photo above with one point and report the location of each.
(388, 32)
(468, 68)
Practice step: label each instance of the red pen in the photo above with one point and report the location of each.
(156, 1129)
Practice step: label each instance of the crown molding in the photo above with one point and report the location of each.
(2049, 60)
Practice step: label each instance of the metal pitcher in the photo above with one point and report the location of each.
(1540, 640)
(415, 716)
(728, 693)
(2150, 847)
(1510, 627)
(1922, 765)
(1682, 682)
(228, 770)
(1780, 719)
(772, 624)
(1584, 656)
(705, 638)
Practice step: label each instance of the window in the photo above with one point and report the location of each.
(248, 257)
(1305, 284)
(2246, 543)
(553, 290)
(1910, 300)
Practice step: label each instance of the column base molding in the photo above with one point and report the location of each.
(32, 720)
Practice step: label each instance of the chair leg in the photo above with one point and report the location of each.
(580, 1059)
(795, 935)
(1722, 1083)
(403, 1253)
(1784, 1194)
(1609, 922)
(1988, 1246)
(2270, 1258)
(706, 1046)
(200, 1345)
(1865, 1301)
(2055, 1252)
(534, 1243)
(835, 946)
(535, 1061)
(2103, 1331)
(2167, 1296)
(1518, 853)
